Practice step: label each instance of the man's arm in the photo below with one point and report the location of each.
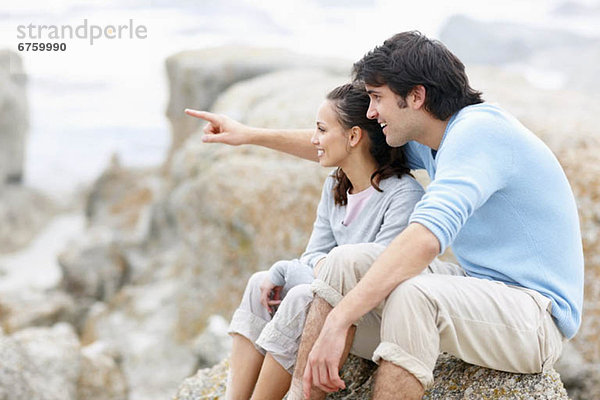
(222, 129)
(406, 256)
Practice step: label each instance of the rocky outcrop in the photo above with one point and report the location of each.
(198, 77)
(23, 212)
(581, 378)
(49, 364)
(101, 377)
(23, 308)
(14, 117)
(454, 380)
(121, 200)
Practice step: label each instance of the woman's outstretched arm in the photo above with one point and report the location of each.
(222, 129)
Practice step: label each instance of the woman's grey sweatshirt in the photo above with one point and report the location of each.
(382, 218)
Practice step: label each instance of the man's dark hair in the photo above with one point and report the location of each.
(409, 59)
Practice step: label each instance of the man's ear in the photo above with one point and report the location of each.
(416, 97)
(355, 136)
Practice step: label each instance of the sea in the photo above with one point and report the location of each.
(108, 96)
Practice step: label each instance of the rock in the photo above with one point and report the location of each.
(197, 78)
(454, 379)
(212, 345)
(24, 308)
(14, 117)
(17, 375)
(93, 266)
(49, 364)
(269, 100)
(208, 383)
(101, 377)
(140, 325)
(23, 212)
(581, 379)
(218, 244)
(121, 200)
(40, 363)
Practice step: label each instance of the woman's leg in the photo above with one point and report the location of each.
(246, 325)
(273, 382)
(244, 366)
(281, 338)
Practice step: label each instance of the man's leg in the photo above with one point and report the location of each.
(396, 383)
(344, 267)
(482, 322)
(314, 322)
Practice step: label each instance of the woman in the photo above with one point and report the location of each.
(368, 198)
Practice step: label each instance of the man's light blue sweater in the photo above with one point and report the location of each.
(499, 197)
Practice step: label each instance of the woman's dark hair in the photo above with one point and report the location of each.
(409, 59)
(351, 103)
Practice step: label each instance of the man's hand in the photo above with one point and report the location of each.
(222, 129)
(323, 364)
(266, 287)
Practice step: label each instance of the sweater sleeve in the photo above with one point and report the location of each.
(321, 239)
(474, 162)
(402, 204)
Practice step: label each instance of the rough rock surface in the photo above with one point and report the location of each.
(17, 376)
(121, 199)
(198, 77)
(101, 377)
(454, 380)
(48, 364)
(24, 308)
(581, 379)
(93, 266)
(23, 212)
(14, 117)
(40, 363)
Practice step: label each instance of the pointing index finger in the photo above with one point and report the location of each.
(205, 115)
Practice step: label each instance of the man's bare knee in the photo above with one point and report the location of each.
(319, 309)
(394, 382)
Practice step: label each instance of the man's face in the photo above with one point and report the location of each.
(391, 112)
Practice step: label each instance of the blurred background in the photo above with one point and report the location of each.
(90, 101)
(123, 251)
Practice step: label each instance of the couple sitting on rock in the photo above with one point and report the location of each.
(369, 281)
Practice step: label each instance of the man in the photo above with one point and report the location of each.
(498, 196)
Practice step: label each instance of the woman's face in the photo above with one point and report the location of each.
(330, 138)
